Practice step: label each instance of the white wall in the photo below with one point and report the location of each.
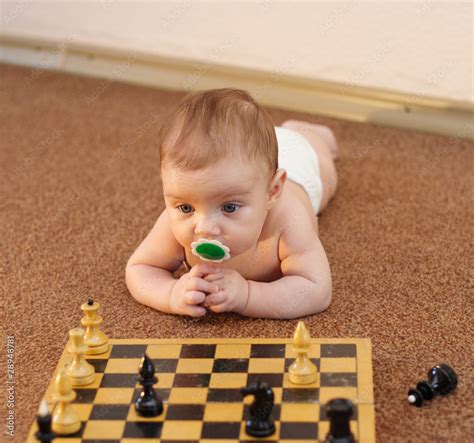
(417, 47)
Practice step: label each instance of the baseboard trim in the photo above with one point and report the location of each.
(344, 101)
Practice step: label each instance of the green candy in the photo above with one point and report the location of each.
(210, 251)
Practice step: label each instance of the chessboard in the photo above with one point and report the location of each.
(199, 381)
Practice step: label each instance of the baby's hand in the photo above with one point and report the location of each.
(233, 292)
(191, 290)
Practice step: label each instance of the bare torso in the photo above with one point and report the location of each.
(262, 263)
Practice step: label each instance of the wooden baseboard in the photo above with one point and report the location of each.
(277, 89)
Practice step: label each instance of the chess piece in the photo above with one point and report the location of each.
(65, 418)
(148, 404)
(261, 423)
(441, 381)
(43, 419)
(302, 371)
(80, 372)
(94, 338)
(339, 411)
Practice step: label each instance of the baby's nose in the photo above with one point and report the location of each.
(207, 230)
(210, 234)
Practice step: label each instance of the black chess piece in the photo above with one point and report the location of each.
(260, 423)
(148, 404)
(441, 381)
(339, 411)
(44, 433)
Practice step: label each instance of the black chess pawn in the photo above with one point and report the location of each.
(260, 423)
(339, 411)
(43, 419)
(441, 381)
(148, 404)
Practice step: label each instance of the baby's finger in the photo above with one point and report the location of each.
(215, 299)
(194, 297)
(202, 269)
(199, 284)
(213, 277)
(195, 311)
(218, 308)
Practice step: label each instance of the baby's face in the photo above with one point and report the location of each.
(226, 202)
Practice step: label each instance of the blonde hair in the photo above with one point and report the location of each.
(208, 126)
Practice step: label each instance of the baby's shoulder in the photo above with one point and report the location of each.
(295, 211)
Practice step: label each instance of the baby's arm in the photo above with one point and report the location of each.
(306, 285)
(149, 271)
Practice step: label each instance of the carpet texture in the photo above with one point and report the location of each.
(80, 190)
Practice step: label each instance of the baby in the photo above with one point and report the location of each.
(252, 190)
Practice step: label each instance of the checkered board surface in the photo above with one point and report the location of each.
(199, 382)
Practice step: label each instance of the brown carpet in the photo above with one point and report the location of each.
(80, 190)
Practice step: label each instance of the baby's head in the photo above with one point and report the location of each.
(219, 168)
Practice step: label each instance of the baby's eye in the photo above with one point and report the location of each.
(231, 207)
(184, 211)
(228, 207)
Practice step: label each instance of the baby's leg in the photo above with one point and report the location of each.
(324, 143)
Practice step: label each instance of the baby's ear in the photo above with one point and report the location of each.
(276, 187)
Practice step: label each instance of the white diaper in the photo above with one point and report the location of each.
(299, 159)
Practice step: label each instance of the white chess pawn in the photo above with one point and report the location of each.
(302, 371)
(94, 338)
(65, 418)
(79, 371)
